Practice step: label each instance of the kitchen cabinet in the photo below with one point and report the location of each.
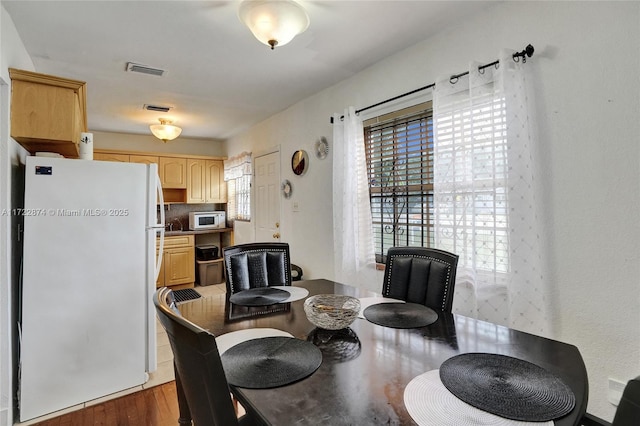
(173, 172)
(215, 186)
(103, 156)
(178, 262)
(48, 113)
(205, 181)
(144, 159)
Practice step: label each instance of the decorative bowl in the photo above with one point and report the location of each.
(331, 311)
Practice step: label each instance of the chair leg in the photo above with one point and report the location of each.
(183, 406)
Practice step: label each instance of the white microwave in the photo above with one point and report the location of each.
(207, 220)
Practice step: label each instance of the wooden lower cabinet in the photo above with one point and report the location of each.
(178, 262)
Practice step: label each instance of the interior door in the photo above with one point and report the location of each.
(267, 196)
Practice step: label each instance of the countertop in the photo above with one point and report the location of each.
(190, 232)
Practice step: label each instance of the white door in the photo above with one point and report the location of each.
(267, 193)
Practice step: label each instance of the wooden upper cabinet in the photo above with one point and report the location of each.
(104, 156)
(205, 181)
(196, 181)
(48, 113)
(144, 159)
(216, 188)
(173, 172)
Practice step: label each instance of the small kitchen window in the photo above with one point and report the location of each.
(237, 174)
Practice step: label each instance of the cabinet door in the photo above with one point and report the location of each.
(179, 266)
(173, 172)
(103, 156)
(215, 185)
(160, 280)
(144, 159)
(196, 188)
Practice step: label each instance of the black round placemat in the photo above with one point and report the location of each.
(506, 386)
(400, 315)
(270, 362)
(259, 296)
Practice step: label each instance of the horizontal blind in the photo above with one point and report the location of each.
(399, 154)
(472, 183)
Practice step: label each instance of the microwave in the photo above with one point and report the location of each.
(207, 220)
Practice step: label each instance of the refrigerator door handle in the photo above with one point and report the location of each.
(160, 227)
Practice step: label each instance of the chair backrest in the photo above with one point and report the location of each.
(628, 411)
(256, 265)
(197, 365)
(421, 275)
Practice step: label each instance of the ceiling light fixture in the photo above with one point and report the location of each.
(165, 131)
(274, 22)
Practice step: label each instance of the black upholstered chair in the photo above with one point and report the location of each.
(421, 275)
(628, 411)
(256, 265)
(203, 391)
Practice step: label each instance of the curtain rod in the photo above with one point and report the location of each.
(526, 52)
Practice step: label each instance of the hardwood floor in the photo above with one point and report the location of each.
(156, 406)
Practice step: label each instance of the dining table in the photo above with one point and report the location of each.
(366, 367)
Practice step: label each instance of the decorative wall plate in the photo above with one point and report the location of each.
(286, 188)
(322, 148)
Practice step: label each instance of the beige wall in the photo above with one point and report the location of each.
(149, 143)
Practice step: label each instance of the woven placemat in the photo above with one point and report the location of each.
(295, 293)
(507, 386)
(429, 403)
(270, 362)
(229, 340)
(259, 296)
(365, 302)
(400, 315)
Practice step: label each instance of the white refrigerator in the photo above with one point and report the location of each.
(88, 325)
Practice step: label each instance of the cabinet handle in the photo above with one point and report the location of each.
(276, 235)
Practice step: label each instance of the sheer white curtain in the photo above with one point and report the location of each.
(485, 192)
(354, 258)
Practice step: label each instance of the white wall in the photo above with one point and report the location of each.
(587, 67)
(12, 54)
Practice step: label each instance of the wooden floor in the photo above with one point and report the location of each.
(156, 406)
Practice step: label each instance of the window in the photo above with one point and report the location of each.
(237, 174)
(472, 200)
(399, 151)
(239, 198)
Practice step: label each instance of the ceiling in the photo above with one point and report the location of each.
(219, 79)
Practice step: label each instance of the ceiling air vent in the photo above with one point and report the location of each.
(158, 108)
(144, 69)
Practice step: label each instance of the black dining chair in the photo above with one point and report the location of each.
(203, 391)
(628, 411)
(256, 265)
(421, 275)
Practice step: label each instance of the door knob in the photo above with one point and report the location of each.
(276, 235)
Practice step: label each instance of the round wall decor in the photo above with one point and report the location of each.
(286, 188)
(322, 148)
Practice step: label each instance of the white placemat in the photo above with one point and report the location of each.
(365, 302)
(228, 340)
(296, 293)
(429, 403)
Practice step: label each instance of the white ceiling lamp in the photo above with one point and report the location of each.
(274, 22)
(165, 131)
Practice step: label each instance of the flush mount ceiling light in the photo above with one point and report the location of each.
(274, 22)
(165, 131)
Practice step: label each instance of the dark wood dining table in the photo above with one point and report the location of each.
(365, 370)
